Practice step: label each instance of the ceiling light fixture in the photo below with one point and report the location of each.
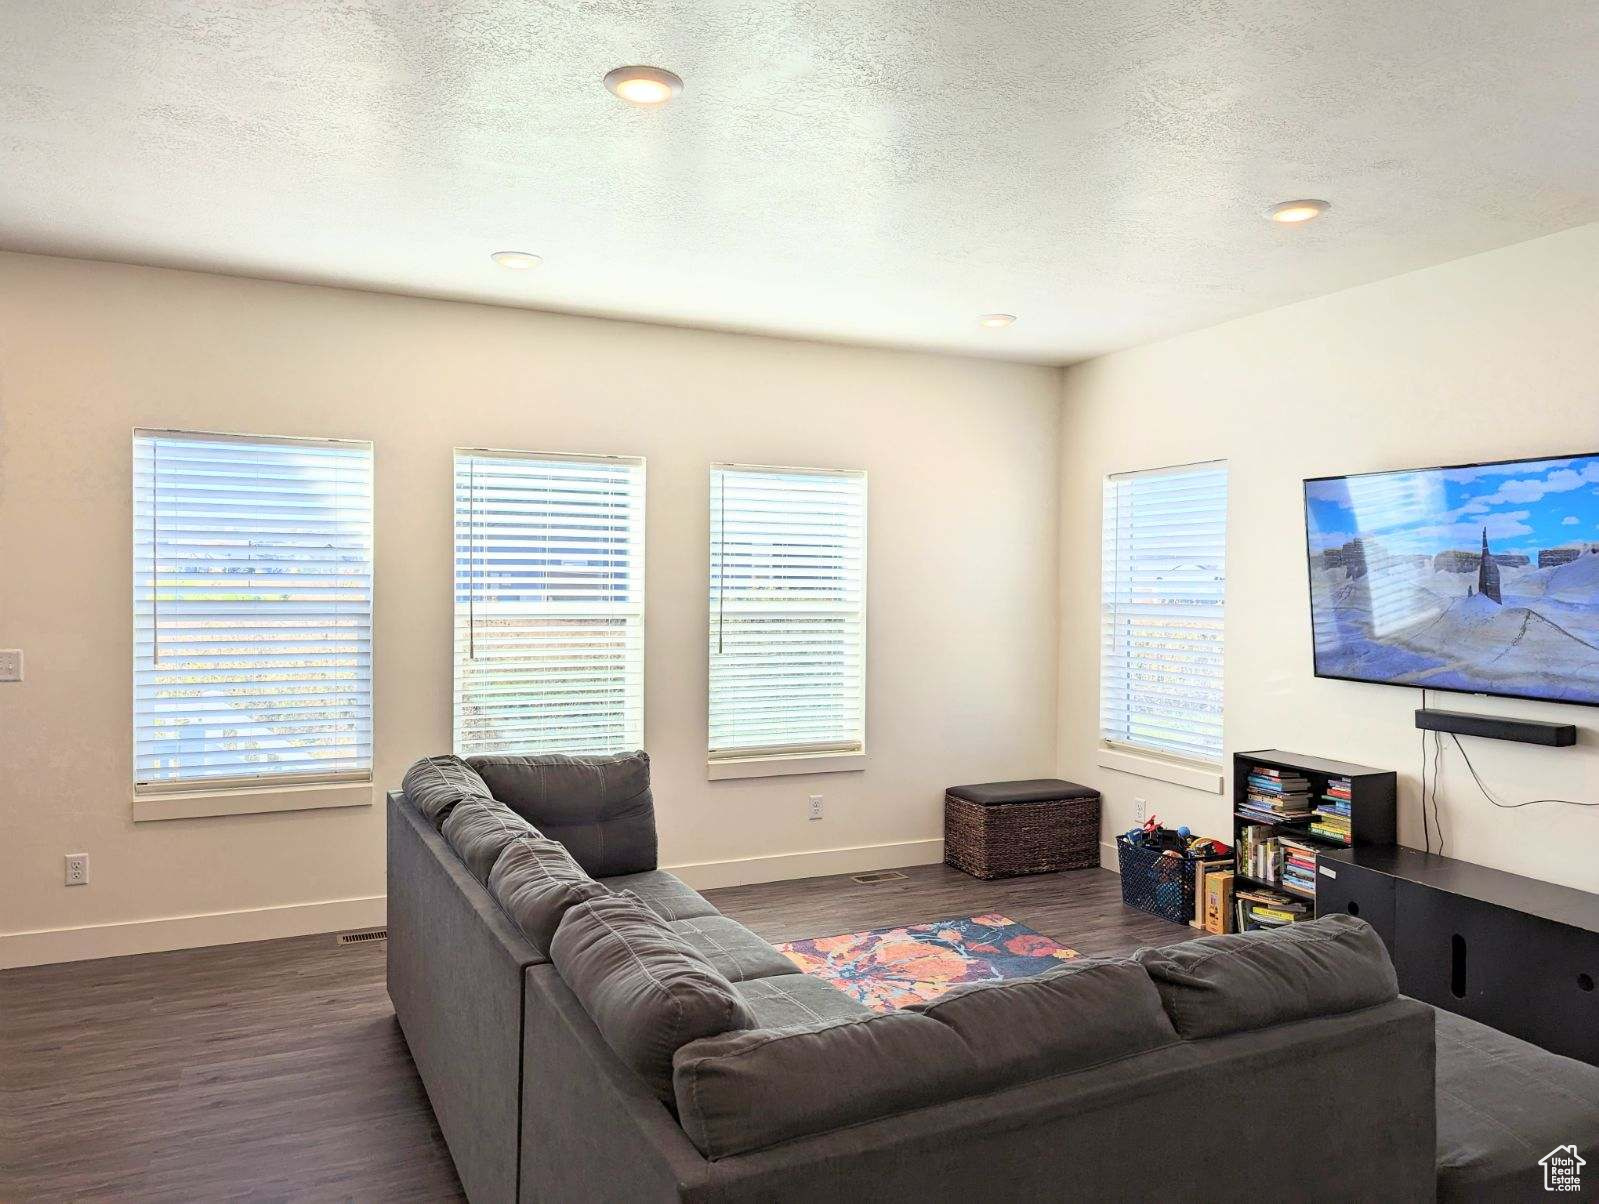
(1291, 213)
(644, 85)
(517, 261)
(995, 321)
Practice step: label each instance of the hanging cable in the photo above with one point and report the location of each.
(1427, 832)
(1489, 795)
(1437, 772)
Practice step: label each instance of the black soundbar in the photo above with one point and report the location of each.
(1491, 727)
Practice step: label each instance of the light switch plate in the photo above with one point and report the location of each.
(10, 664)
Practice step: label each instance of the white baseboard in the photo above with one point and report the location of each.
(51, 945)
(48, 946)
(706, 875)
(1107, 857)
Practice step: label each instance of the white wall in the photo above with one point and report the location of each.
(1491, 357)
(962, 576)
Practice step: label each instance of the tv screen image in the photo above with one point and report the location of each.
(1481, 578)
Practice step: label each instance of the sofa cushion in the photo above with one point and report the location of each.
(1248, 980)
(600, 808)
(1032, 790)
(748, 1090)
(1502, 1105)
(665, 894)
(647, 992)
(733, 949)
(479, 830)
(436, 784)
(536, 880)
(797, 1001)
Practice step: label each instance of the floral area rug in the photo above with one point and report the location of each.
(890, 968)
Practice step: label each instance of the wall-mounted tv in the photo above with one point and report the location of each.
(1481, 578)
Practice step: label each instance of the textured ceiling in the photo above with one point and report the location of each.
(880, 172)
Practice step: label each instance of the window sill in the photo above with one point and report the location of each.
(1162, 769)
(774, 767)
(257, 800)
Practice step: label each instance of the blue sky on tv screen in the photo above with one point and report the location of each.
(1525, 507)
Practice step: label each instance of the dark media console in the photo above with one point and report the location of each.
(1517, 954)
(1494, 727)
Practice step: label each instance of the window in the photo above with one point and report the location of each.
(549, 603)
(788, 612)
(1163, 592)
(252, 611)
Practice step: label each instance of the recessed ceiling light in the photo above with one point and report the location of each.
(517, 261)
(996, 320)
(1293, 212)
(644, 85)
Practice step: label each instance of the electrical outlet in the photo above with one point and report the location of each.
(77, 869)
(815, 811)
(1140, 809)
(10, 664)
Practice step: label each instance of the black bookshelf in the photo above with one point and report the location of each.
(1373, 795)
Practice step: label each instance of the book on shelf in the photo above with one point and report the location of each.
(1301, 800)
(1299, 865)
(1271, 773)
(1259, 854)
(1277, 785)
(1257, 907)
(1262, 815)
(1275, 796)
(1331, 824)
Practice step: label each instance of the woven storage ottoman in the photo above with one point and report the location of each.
(1002, 829)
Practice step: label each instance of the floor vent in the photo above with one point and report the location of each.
(879, 876)
(361, 938)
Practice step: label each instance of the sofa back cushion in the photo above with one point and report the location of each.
(535, 880)
(600, 808)
(647, 991)
(479, 831)
(1248, 980)
(436, 784)
(744, 1091)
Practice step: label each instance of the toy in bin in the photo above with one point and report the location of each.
(1180, 842)
(1157, 867)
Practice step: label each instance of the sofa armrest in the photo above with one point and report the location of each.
(592, 1129)
(455, 964)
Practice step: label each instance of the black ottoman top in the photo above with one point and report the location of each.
(1503, 1105)
(1033, 790)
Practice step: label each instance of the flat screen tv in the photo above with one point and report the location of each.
(1480, 578)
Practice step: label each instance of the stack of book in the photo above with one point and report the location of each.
(1330, 820)
(1299, 865)
(1256, 907)
(1259, 854)
(1275, 796)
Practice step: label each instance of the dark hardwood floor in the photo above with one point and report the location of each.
(276, 1071)
(1080, 908)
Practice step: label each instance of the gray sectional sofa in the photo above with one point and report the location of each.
(589, 1028)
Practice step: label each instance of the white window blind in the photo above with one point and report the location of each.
(1163, 590)
(549, 603)
(788, 611)
(252, 611)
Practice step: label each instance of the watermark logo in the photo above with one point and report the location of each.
(1562, 1169)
